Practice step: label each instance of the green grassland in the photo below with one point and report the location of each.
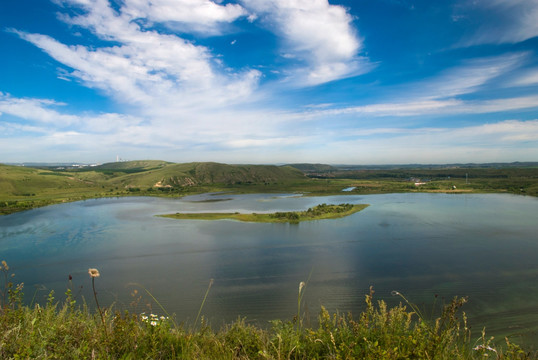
(23, 188)
(319, 212)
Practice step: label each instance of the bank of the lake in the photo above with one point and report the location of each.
(318, 212)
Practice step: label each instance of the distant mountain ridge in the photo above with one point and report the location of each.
(310, 168)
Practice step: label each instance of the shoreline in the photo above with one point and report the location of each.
(23, 205)
(320, 212)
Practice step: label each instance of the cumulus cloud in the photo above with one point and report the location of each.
(315, 33)
(165, 74)
(202, 16)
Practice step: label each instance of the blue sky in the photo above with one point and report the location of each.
(269, 81)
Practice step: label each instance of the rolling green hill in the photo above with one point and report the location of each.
(205, 173)
(18, 181)
(23, 187)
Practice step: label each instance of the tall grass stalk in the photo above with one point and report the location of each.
(302, 286)
(5, 270)
(413, 306)
(203, 302)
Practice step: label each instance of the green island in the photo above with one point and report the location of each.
(319, 212)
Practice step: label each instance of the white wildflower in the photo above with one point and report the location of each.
(484, 347)
(93, 273)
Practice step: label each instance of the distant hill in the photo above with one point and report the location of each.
(310, 168)
(517, 164)
(26, 181)
(23, 181)
(205, 173)
(133, 166)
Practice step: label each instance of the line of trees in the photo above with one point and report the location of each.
(313, 212)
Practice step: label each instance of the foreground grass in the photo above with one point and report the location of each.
(69, 331)
(319, 212)
(64, 331)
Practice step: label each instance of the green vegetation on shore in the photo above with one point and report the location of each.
(23, 188)
(319, 212)
(66, 330)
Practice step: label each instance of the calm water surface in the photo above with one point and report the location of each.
(481, 246)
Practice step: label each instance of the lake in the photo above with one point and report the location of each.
(484, 246)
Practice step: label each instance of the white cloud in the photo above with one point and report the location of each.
(504, 21)
(429, 107)
(501, 141)
(266, 142)
(498, 105)
(146, 68)
(503, 133)
(251, 136)
(193, 15)
(528, 78)
(470, 76)
(316, 33)
(39, 116)
(36, 110)
(443, 94)
(185, 104)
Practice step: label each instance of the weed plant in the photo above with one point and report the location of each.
(67, 330)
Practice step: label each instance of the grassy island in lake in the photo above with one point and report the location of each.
(318, 212)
